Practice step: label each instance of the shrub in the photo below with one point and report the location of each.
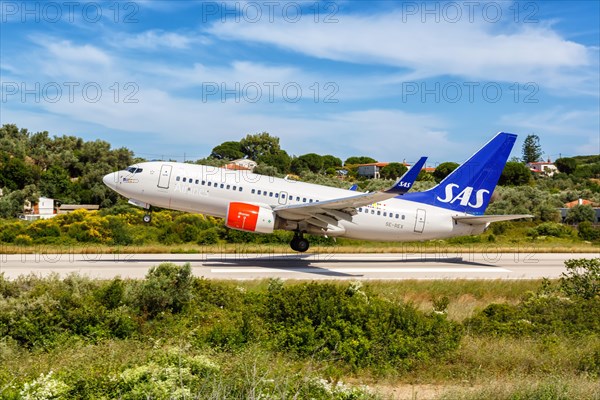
(551, 229)
(209, 236)
(167, 287)
(331, 321)
(23, 240)
(587, 232)
(579, 214)
(582, 278)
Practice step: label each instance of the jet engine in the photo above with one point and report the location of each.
(250, 217)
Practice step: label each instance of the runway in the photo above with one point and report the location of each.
(491, 265)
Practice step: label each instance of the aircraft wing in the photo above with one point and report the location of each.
(486, 219)
(328, 212)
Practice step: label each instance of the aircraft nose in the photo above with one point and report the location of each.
(110, 180)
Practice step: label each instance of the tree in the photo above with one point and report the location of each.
(311, 161)
(260, 144)
(566, 165)
(579, 214)
(228, 150)
(532, 150)
(443, 170)
(515, 174)
(279, 160)
(330, 161)
(359, 160)
(393, 170)
(15, 174)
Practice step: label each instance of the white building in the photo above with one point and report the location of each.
(546, 168)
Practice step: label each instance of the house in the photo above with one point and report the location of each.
(43, 209)
(545, 168)
(371, 170)
(243, 164)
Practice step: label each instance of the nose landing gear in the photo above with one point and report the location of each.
(299, 243)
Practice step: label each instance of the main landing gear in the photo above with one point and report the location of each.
(299, 243)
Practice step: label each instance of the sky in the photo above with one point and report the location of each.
(391, 80)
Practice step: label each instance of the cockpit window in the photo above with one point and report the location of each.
(134, 170)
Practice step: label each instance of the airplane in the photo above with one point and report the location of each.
(258, 203)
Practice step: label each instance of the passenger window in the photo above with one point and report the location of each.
(265, 193)
(304, 199)
(359, 209)
(270, 194)
(222, 186)
(209, 183)
(228, 186)
(252, 191)
(297, 198)
(385, 213)
(378, 212)
(203, 183)
(184, 179)
(259, 192)
(276, 195)
(240, 188)
(178, 179)
(372, 211)
(397, 216)
(403, 216)
(283, 196)
(234, 188)
(197, 181)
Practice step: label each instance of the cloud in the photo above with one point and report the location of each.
(580, 126)
(475, 50)
(154, 39)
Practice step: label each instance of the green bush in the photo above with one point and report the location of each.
(331, 321)
(551, 229)
(582, 278)
(167, 288)
(587, 231)
(580, 213)
(23, 240)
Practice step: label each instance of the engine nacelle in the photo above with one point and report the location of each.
(250, 217)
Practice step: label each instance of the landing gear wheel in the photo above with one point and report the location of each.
(302, 245)
(147, 218)
(299, 243)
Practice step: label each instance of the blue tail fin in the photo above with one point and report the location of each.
(468, 188)
(406, 181)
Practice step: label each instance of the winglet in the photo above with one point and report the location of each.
(406, 181)
(353, 187)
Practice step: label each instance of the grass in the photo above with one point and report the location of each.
(342, 246)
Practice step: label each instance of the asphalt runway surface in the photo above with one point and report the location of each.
(492, 265)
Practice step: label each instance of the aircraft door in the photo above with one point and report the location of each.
(420, 221)
(165, 176)
(283, 198)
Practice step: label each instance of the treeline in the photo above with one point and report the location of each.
(65, 168)
(336, 328)
(70, 170)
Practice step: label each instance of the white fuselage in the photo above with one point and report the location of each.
(209, 190)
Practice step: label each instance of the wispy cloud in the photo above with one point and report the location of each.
(155, 39)
(474, 50)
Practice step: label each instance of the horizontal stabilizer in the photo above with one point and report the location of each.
(486, 219)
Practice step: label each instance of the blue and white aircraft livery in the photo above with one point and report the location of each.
(258, 203)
